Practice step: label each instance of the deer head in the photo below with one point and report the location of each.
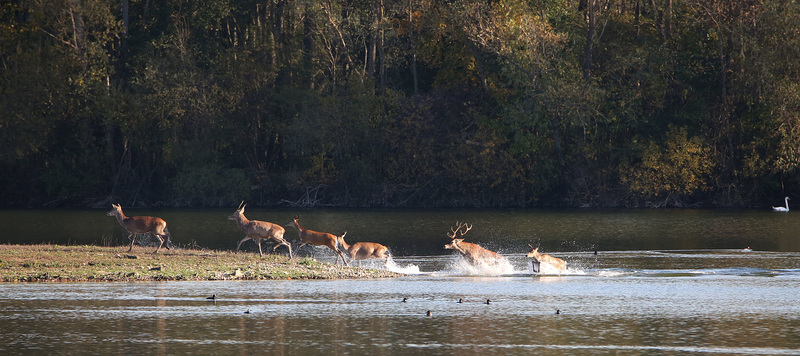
(453, 245)
(534, 253)
(117, 210)
(237, 215)
(455, 235)
(294, 222)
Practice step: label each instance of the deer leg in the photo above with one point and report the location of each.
(258, 242)
(240, 242)
(344, 261)
(132, 237)
(279, 243)
(339, 254)
(169, 238)
(161, 242)
(290, 248)
(284, 243)
(300, 246)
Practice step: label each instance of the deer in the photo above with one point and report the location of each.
(473, 253)
(364, 250)
(318, 238)
(256, 230)
(142, 225)
(539, 257)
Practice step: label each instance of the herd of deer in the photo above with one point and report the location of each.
(257, 230)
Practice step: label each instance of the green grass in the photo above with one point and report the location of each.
(53, 263)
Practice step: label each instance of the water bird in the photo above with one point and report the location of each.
(405, 299)
(459, 300)
(558, 311)
(429, 313)
(487, 302)
(247, 311)
(212, 297)
(781, 208)
(747, 249)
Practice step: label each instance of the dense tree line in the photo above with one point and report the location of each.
(399, 103)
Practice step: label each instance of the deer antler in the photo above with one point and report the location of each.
(468, 228)
(241, 205)
(452, 233)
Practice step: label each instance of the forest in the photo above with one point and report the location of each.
(399, 103)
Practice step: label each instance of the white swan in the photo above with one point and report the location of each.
(780, 208)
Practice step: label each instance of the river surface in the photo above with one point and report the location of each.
(661, 283)
(424, 232)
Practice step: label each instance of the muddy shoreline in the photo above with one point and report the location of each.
(89, 263)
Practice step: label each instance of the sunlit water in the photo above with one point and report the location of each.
(663, 283)
(618, 302)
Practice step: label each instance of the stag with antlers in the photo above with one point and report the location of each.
(257, 230)
(142, 225)
(473, 253)
(318, 238)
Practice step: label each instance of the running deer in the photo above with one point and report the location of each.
(364, 250)
(539, 258)
(318, 238)
(471, 252)
(142, 225)
(257, 230)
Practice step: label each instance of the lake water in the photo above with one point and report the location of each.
(424, 232)
(662, 282)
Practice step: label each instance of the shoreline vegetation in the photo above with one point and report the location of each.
(90, 263)
(399, 104)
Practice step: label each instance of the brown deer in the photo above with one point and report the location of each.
(538, 258)
(364, 250)
(473, 253)
(142, 225)
(257, 230)
(318, 238)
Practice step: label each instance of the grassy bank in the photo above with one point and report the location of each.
(55, 263)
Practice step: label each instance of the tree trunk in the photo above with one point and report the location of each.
(381, 51)
(413, 47)
(591, 28)
(557, 140)
(125, 17)
(637, 16)
(308, 47)
(668, 20)
(373, 41)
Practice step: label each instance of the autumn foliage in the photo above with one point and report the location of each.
(389, 103)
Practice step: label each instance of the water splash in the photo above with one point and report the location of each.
(493, 268)
(547, 269)
(408, 269)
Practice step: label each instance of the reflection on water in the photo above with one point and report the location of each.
(615, 302)
(416, 232)
(661, 282)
